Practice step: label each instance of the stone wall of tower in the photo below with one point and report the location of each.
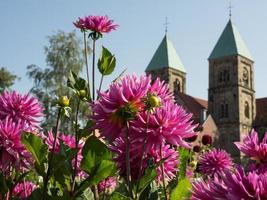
(175, 78)
(231, 99)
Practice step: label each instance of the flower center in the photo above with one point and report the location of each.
(124, 114)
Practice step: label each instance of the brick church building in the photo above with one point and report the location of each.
(231, 110)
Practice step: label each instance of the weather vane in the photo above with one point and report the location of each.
(230, 9)
(166, 25)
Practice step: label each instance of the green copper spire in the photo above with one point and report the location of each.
(230, 43)
(165, 56)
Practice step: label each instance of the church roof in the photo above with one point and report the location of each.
(261, 109)
(165, 56)
(193, 105)
(230, 43)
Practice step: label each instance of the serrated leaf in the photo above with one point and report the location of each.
(97, 162)
(38, 149)
(106, 62)
(182, 190)
(149, 176)
(94, 151)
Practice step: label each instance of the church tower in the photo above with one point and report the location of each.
(167, 65)
(231, 94)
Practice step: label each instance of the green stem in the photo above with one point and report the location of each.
(128, 166)
(93, 71)
(46, 178)
(76, 145)
(143, 153)
(162, 174)
(95, 191)
(100, 85)
(86, 62)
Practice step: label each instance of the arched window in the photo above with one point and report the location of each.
(226, 75)
(224, 110)
(176, 85)
(223, 76)
(246, 109)
(220, 76)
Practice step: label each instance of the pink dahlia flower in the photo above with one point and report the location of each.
(214, 162)
(100, 24)
(68, 140)
(259, 168)
(49, 140)
(168, 123)
(136, 146)
(242, 186)
(231, 186)
(12, 151)
(107, 185)
(118, 147)
(253, 148)
(24, 189)
(23, 108)
(120, 103)
(161, 90)
(169, 165)
(209, 190)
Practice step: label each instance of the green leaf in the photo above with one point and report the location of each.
(182, 190)
(87, 130)
(78, 85)
(37, 194)
(94, 151)
(106, 62)
(149, 176)
(3, 185)
(119, 196)
(97, 162)
(38, 149)
(184, 155)
(62, 165)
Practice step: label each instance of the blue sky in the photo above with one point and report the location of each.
(195, 26)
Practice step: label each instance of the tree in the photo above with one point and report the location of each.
(63, 54)
(6, 79)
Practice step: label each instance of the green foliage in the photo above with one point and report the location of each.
(3, 185)
(97, 162)
(106, 62)
(182, 190)
(6, 79)
(64, 53)
(79, 86)
(94, 151)
(184, 155)
(38, 149)
(119, 196)
(149, 176)
(62, 165)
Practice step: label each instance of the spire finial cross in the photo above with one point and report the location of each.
(166, 25)
(230, 7)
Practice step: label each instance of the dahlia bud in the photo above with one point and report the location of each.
(206, 139)
(152, 101)
(64, 101)
(196, 148)
(192, 139)
(82, 93)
